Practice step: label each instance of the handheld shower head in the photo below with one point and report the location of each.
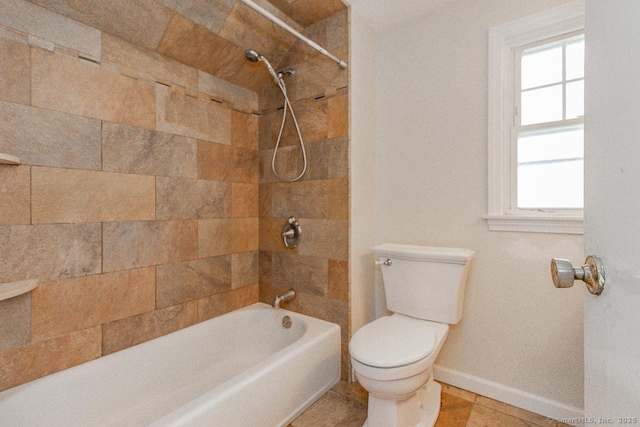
(252, 55)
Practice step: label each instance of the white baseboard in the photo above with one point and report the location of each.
(512, 396)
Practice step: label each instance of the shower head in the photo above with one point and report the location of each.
(252, 55)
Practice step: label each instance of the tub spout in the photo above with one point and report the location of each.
(287, 296)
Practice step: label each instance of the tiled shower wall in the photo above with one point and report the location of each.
(136, 204)
(318, 268)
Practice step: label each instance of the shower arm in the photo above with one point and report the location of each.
(286, 27)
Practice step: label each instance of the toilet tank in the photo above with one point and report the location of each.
(424, 282)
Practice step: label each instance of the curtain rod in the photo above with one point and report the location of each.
(286, 27)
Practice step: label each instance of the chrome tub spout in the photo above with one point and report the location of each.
(287, 296)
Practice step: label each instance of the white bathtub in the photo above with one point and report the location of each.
(241, 369)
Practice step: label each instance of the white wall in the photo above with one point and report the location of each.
(520, 339)
(364, 72)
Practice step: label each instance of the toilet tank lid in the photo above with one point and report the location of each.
(424, 253)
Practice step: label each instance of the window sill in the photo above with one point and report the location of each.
(536, 224)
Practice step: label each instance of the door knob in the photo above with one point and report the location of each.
(592, 273)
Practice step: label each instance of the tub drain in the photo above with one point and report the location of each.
(286, 322)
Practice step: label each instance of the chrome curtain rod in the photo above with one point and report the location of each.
(286, 27)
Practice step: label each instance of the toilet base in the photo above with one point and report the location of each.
(419, 410)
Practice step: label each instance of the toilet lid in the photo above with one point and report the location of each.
(392, 341)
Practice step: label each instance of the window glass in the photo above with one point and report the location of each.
(575, 99)
(550, 169)
(541, 67)
(575, 60)
(541, 105)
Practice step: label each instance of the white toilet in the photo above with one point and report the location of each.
(393, 355)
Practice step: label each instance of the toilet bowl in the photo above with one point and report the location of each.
(393, 356)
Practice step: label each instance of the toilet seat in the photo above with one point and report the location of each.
(419, 337)
(393, 341)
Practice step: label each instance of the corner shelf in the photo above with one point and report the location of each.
(14, 289)
(7, 159)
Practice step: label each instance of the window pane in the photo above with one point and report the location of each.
(575, 60)
(550, 169)
(575, 99)
(541, 105)
(541, 67)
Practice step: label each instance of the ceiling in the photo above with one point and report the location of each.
(385, 14)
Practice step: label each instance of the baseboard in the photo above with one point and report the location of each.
(514, 397)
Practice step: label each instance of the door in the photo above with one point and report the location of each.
(612, 210)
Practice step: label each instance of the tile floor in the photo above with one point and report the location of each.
(346, 406)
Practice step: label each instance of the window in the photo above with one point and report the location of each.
(536, 108)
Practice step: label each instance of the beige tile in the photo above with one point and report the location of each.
(15, 187)
(337, 28)
(304, 274)
(227, 301)
(333, 410)
(45, 24)
(227, 236)
(318, 76)
(522, 414)
(128, 332)
(121, 18)
(312, 120)
(317, 11)
(326, 309)
(338, 120)
(15, 328)
(454, 411)
(244, 200)
(485, 417)
(148, 63)
(352, 391)
(338, 280)
(15, 71)
(325, 238)
(244, 130)
(184, 198)
(186, 281)
(270, 235)
(328, 159)
(129, 149)
(64, 306)
(139, 244)
(245, 27)
(196, 46)
(184, 115)
(65, 84)
(209, 14)
(244, 269)
(36, 360)
(266, 200)
(222, 90)
(458, 392)
(49, 138)
(49, 252)
(70, 196)
(311, 199)
(220, 162)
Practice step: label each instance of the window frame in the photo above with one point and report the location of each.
(505, 43)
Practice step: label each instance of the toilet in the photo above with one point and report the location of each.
(393, 356)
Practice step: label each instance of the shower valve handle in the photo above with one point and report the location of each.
(291, 233)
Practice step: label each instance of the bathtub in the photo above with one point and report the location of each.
(240, 369)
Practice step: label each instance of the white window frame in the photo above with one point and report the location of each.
(504, 42)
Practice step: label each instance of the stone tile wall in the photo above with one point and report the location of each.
(136, 204)
(318, 268)
(145, 202)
